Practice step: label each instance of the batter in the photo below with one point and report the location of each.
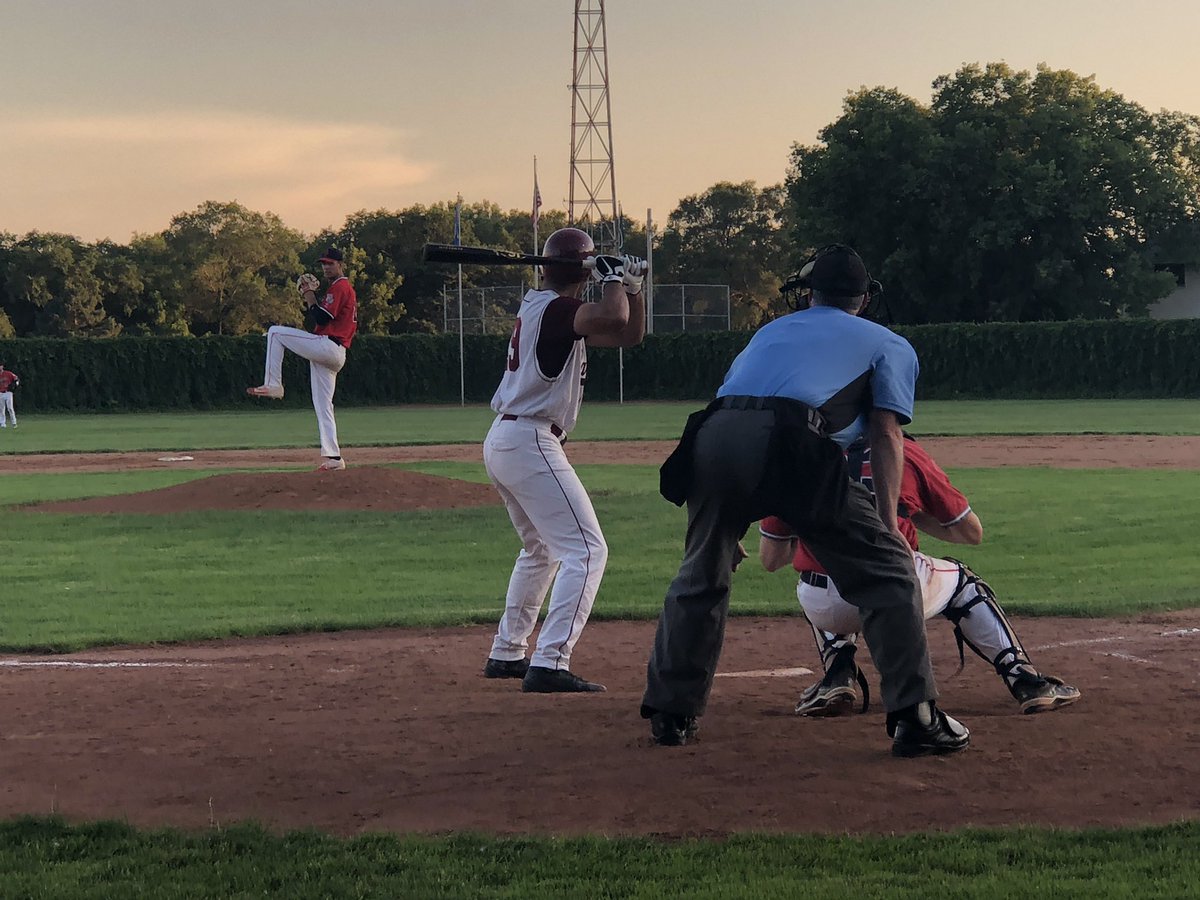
(536, 406)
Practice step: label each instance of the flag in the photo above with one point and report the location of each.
(458, 223)
(537, 198)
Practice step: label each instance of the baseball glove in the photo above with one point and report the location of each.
(307, 282)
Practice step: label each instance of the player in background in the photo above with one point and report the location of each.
(536, 405)
(334, 320)
(8, 380)
(931, 503)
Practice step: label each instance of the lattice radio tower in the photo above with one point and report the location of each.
(593, 199)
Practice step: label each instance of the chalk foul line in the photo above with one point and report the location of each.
(82, 664)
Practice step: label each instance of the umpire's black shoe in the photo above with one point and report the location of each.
(540, 680)
(669, 730)
(924, 730)
(506, 668)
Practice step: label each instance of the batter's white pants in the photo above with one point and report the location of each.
(7, 411)
(325, 360)
(557, 525)
(828, 612)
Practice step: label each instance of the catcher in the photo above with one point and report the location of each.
(333, 319)
(931, 503)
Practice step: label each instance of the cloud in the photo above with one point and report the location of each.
(110, 175)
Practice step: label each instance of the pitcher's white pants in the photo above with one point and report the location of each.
(7, 411)
(325, 360)
(828, 612)
(557, 525)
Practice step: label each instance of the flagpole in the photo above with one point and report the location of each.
(462, 376)
(537, 207)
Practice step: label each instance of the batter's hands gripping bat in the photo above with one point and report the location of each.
(486, 256)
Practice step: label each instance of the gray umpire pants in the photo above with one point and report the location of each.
(872, 567)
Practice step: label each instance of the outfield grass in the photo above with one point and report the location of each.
(1078, 542)
(383, 426)
(47, 858)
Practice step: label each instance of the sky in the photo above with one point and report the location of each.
(119, 114)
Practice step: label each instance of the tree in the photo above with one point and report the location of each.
(237, 266)
(160, 306)
(730, 234)
(54, 288)
(1013, 196)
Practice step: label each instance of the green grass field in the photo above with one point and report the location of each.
(125, 578)
(47, 858)
(363, 427)
(1076, 542)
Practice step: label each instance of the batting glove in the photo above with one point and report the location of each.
(608, 268)
(633, 271)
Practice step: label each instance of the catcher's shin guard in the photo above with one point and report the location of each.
(980, 623)
(834, 693)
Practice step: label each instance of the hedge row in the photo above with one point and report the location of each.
(1139, 358)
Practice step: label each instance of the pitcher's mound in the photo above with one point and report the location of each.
(361, 488)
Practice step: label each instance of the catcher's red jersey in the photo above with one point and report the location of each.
(341, 302)
(7, 380)
(924, 487)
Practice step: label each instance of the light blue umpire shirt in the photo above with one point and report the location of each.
(837, 363)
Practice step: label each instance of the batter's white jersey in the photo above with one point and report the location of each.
(526, 389)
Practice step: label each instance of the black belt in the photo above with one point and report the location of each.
(816, 579)
(336, 340)
(742, 401)
(554, 429)
(816, 421)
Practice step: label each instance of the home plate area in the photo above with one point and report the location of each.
(398, 730)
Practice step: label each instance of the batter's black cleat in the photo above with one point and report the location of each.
(669, 730)
(924, 730)
(541, 680)
(505, 668)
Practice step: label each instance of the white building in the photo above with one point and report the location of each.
(1184, 303)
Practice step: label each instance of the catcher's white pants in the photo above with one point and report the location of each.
(560, 535)
(7, 411)
(828, 612)
(325, 360)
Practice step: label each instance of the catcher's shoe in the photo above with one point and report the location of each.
(265, 390)
(331, 465)
(505, 668)
(669, 730)
(541, 680)
(1042, 693)
(924, 730)
(834, 695)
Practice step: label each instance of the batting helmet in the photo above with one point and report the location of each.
(571, 243)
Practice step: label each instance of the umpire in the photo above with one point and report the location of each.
(772, 443)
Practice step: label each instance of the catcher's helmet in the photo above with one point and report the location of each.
(571, 243)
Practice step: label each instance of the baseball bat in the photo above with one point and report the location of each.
(487, 256)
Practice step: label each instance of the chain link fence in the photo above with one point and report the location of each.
(675, 308)
(689, 307)
(487, 310)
